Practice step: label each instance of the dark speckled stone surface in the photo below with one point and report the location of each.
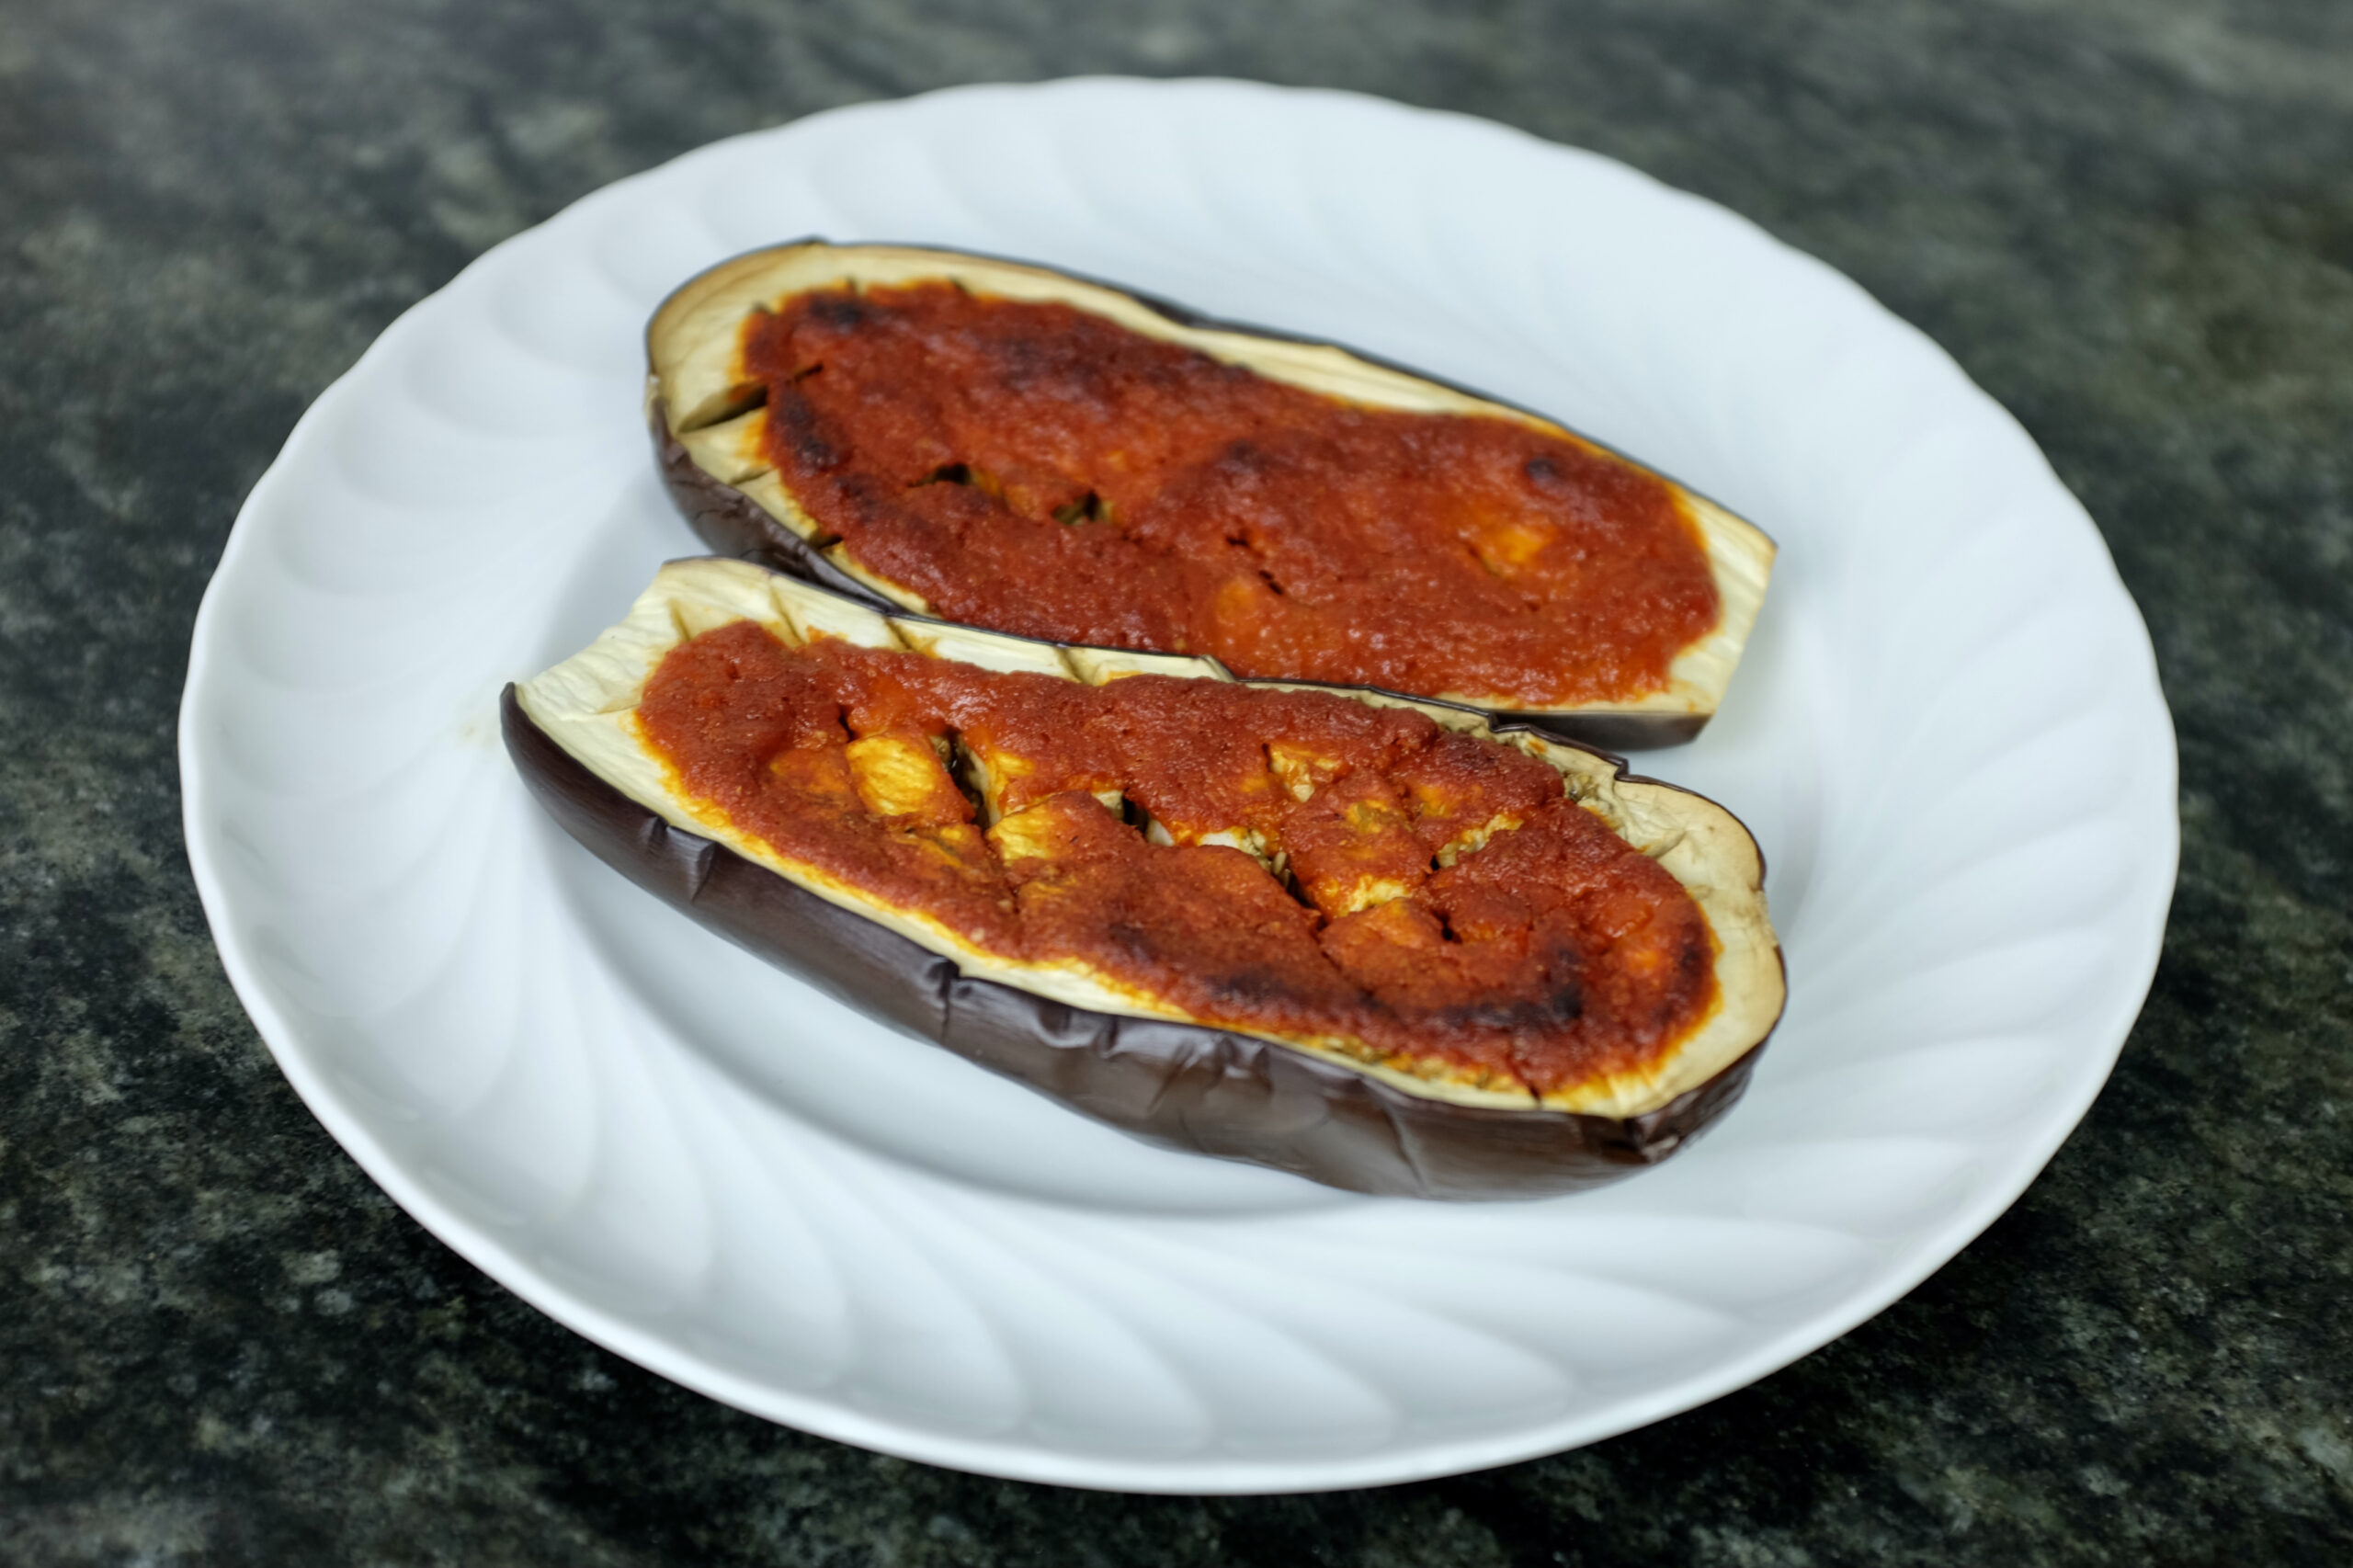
(2131, 221)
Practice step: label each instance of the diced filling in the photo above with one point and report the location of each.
(1040, 470)
(1293, 864)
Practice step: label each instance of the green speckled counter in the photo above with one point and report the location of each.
(2131, 223)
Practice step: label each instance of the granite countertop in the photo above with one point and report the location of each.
(2133, 223)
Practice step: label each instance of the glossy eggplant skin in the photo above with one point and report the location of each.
(1183, 1085)
(732, 524)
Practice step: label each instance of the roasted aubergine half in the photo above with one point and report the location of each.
(1011, 448)
(1367, 939)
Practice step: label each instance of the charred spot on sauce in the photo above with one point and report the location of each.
(1564, 1005)
(1561, 574)
(838, 309)
(1548, 952)
(795, 428)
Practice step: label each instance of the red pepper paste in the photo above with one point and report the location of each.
(1293, 864)
(1038, 470)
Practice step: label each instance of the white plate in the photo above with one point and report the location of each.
(1948, 735)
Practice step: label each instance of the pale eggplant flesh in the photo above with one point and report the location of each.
(1164, 1078)
(701, 408)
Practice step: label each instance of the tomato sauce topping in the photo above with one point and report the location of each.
(1293, 864)
(1038, 470)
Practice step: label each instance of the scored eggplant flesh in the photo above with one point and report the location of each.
(708, 424)
(1102, 1047)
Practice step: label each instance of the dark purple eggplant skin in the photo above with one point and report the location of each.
(1181, 1086)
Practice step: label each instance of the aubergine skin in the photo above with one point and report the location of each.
(1185, 1087)
(734, 525)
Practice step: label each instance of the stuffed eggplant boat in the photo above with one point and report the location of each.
(1006, 446)
(1365, 939)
